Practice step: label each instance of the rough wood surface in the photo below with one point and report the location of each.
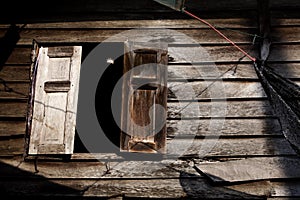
(157, 23)
(14, 89)
(250, 169)
(238, 147)
(231, 127)
(215, 89)
(13, 108)
(174, 36)
(279, 53)
(20, 55)
(10, 128)
(220, 109)
(150, 189)
(14, 73)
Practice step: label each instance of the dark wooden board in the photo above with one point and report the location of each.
(14, 89)
(20, 55)
(279, 53)
(15, 73)
(11, 128)
(13, 109)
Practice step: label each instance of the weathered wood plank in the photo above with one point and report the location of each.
(231, 127)
(13, 108)
(20, 55)
(12, 146)
(279, 53)
(220, 109)
(14, 89)
(209, 53)
(211, 71)
(229, 147)
(149, 189)
(11, 128)
(285, 34)
(175, 36)
(279, 22)
(158, 23)
(289, 70)
(288, 188)
(217, 89)
(14, 73)
(252, 169)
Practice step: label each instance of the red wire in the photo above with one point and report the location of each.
(220, 33)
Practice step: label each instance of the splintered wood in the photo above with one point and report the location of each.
(144, 98)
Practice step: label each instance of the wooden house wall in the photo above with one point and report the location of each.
(251, 130)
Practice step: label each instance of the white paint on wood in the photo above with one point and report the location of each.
(54, 111)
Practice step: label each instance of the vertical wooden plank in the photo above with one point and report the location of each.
(144, 99)
(55, 100)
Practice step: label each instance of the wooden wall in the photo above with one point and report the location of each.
(251, 130)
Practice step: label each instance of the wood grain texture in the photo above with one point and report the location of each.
(15, 73)
(11, 128)
(252, 169)
(13, 109)
(238, 147)
(230, 127)
(220, 109)
(215, 90)
(281, 53)
(14, 89)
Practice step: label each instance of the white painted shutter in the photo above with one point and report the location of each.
(55, 100)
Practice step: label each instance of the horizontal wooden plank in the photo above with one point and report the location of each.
(13, 108)
(285, 34)
(219, 109)
(286, 188)
(175, 36)
(20, 55)
(15, 168)
(251, 169)
(288, 70)
(238, 147)
(128, 189)
(284, 53)
(209, 53)
(230, 127)
(11, 128)
(215, 89)
(211, 71)
(158, 23)
(15, 73)
(277, 22)
(12, 146)
(14, 89)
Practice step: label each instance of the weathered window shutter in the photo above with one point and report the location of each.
(144, 91)
(54, 100)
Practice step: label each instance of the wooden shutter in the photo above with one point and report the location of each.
(144, 126)
(54, 100)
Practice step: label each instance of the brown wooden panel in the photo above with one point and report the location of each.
(209, 53)
(14, 89)
(20, 55)
(12, 146)
(14, 73)
(284, 21)
(230, 147)
(231, 127)
(220, 109)
(13, 108)
(285, 34)
(159, 23)
(10, 128)
(211, 71)
(251, 169)
(177, 36)
(217, 89)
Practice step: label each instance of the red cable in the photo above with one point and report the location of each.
(220, 33)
